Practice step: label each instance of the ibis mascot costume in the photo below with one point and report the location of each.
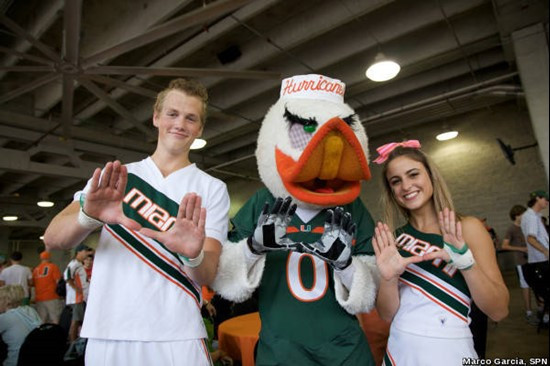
(305, 242)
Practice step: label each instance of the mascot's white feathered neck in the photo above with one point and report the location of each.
(311, 145)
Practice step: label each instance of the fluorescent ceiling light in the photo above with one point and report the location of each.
(198, 144)
(382, 69)
(45, 203)
(10, 218)
(447, 135)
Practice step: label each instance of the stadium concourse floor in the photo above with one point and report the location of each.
(513, 337)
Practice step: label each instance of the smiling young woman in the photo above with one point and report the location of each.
(435, 266)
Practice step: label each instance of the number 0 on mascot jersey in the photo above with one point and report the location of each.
(312, 148)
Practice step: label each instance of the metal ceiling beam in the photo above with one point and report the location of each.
(116, 107)
(193, 18)
(187, 48)
(126, 23)
(47, 13)
(357, 47)
(25, 56)
(222, 143)
(28, 87)
(27, 69)
(182, 71)
(121, 84)
(80, 133)
(72, 15)
(12, 187)
(289, 36)
(424, 73)
(45, 144)
(23, 180)
(71, 41)
(26, 223)
(14, 27)
(460, 92)
(19, 161)
(67, 104)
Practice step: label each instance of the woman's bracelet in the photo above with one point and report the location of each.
(192, 262)
(461, 258)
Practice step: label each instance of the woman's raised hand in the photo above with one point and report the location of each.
(451, 230)
(390, 263)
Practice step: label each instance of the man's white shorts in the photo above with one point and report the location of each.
(100, 352)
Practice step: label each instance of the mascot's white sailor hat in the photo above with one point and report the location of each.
(315, 142)
(313, 86)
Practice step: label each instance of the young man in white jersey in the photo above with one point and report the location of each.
(157, 244)
(536, 237)
(76, 289)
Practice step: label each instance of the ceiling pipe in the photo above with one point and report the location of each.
(465, 91)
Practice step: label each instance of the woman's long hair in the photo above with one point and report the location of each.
(441, 195)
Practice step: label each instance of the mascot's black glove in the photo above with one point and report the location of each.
(334, 247)
(271, 228)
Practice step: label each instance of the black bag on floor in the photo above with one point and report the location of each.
(60, 288)
(44, 346)
(65, 318)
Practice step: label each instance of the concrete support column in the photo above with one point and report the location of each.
(531, 49)
(5, 249)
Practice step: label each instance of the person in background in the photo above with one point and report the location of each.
(545, 223)
(4, 263)
(17, 274)
(157, 245)
(208, 311)
(45, 276)
(88, 265)
(535, 234)
(16, 320)
(437, 266)
(491, 231)
(515, 241)
(77, 289)
(533, 228)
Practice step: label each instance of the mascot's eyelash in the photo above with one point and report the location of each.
(292, 118)
(349, 119)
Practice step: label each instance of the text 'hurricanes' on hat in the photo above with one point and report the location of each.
(81, 247)
(539, 193)
(45, 255)
(313, 86)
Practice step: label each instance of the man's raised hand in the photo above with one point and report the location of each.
(187, 234)
(103, 201)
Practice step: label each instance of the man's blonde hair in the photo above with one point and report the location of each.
(11, 296)
(188, 86)
(441, 194)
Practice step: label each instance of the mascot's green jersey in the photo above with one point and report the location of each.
(299, 312)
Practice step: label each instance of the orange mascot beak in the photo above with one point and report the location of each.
(330, 169)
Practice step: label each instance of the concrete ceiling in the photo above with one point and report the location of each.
(78, 78)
